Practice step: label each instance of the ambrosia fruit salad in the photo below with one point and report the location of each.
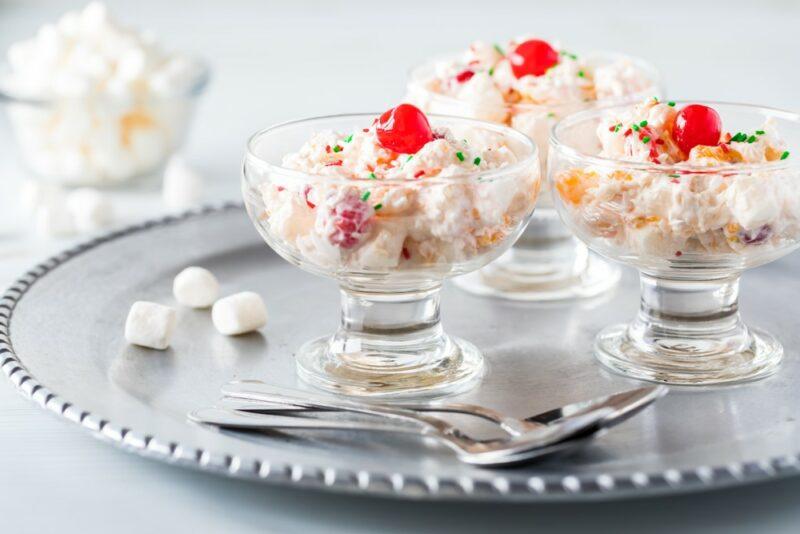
(397, 194)
(671, 181)
(505, 83)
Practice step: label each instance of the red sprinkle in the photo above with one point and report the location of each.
(334, 164)
(365, 130)
(306, 191)
(406, 253)
(281, 188)
(724, 147)
(464, 76)
(679, 253)
(659, 141)
(628, 132)
(328, 149)
(675, 181)
(418, 174)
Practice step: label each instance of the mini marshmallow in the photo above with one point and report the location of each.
(33, 194)
(91, 210)
(53, 219)
(195, 287)
(150, 325)
(183, 188)
(238, 314)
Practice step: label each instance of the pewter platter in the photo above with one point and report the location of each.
(61, 344)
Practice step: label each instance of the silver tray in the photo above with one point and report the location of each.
(61, 344)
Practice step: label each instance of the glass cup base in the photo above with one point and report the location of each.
(453, 366)
(517, 281)
(689, 361)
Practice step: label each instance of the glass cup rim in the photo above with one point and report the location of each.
(530, 160)
(557, 144)
(195, 89)
(656, 86)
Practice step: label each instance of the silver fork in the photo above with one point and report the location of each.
(242, 394)
(514, 449)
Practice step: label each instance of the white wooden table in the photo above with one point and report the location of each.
(275, 61)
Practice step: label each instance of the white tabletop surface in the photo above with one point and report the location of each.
(278, 60)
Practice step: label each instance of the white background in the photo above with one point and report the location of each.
(278, 60)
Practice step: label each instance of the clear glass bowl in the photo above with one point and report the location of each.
(691, 231)
(99, 140)
(547, 263)
(390, 342)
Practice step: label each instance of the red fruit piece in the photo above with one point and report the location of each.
(352, 218)
(532, 57)
(404, 129)
(464, 76)
(696, 125)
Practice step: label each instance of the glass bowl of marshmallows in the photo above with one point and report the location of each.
(390, 206)
(91, 102)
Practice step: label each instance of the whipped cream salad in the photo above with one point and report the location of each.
(398, 194)
(529, 84)
(676, 183)
(93, 101)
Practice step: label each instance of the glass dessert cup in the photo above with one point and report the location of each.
(99, 140)
(390, 342)
(691, 231)
(547, 263)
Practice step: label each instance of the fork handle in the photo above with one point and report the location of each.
(259, 391)
(226, 418)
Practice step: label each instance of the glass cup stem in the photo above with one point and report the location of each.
(390, 345)
(689, 332)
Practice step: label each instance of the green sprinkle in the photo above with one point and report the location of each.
(751, 139)
(409, 158)
(643, 124)
(785, 155)
(569, 54)
(646, 139)
(337, 148)
(372, 176)
(674, 175)
(348, 138)
(635, 127)
(378, 206)
(491, 71)
(460, 156)
(671, 104)
(655, 99)
(476, 161)
(617, 127)
(365, 196)
(499, 49)
(739, 138)
(760, 132)
(581, 74)
(551, 115)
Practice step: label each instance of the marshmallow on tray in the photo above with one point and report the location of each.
(91, 210)
(53, 219)
(239, 313)
(195, 287)
(183, 187)
(34, 193)
(150, 325)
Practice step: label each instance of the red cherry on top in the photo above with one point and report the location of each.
(404, 129)
(532, 57)
(696, 125)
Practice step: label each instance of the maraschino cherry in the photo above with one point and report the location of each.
(404, 129)
(696, 125)
(532, 57)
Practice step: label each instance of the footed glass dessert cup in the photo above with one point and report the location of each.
(389, 243)
(547, 263)
(691, 230)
